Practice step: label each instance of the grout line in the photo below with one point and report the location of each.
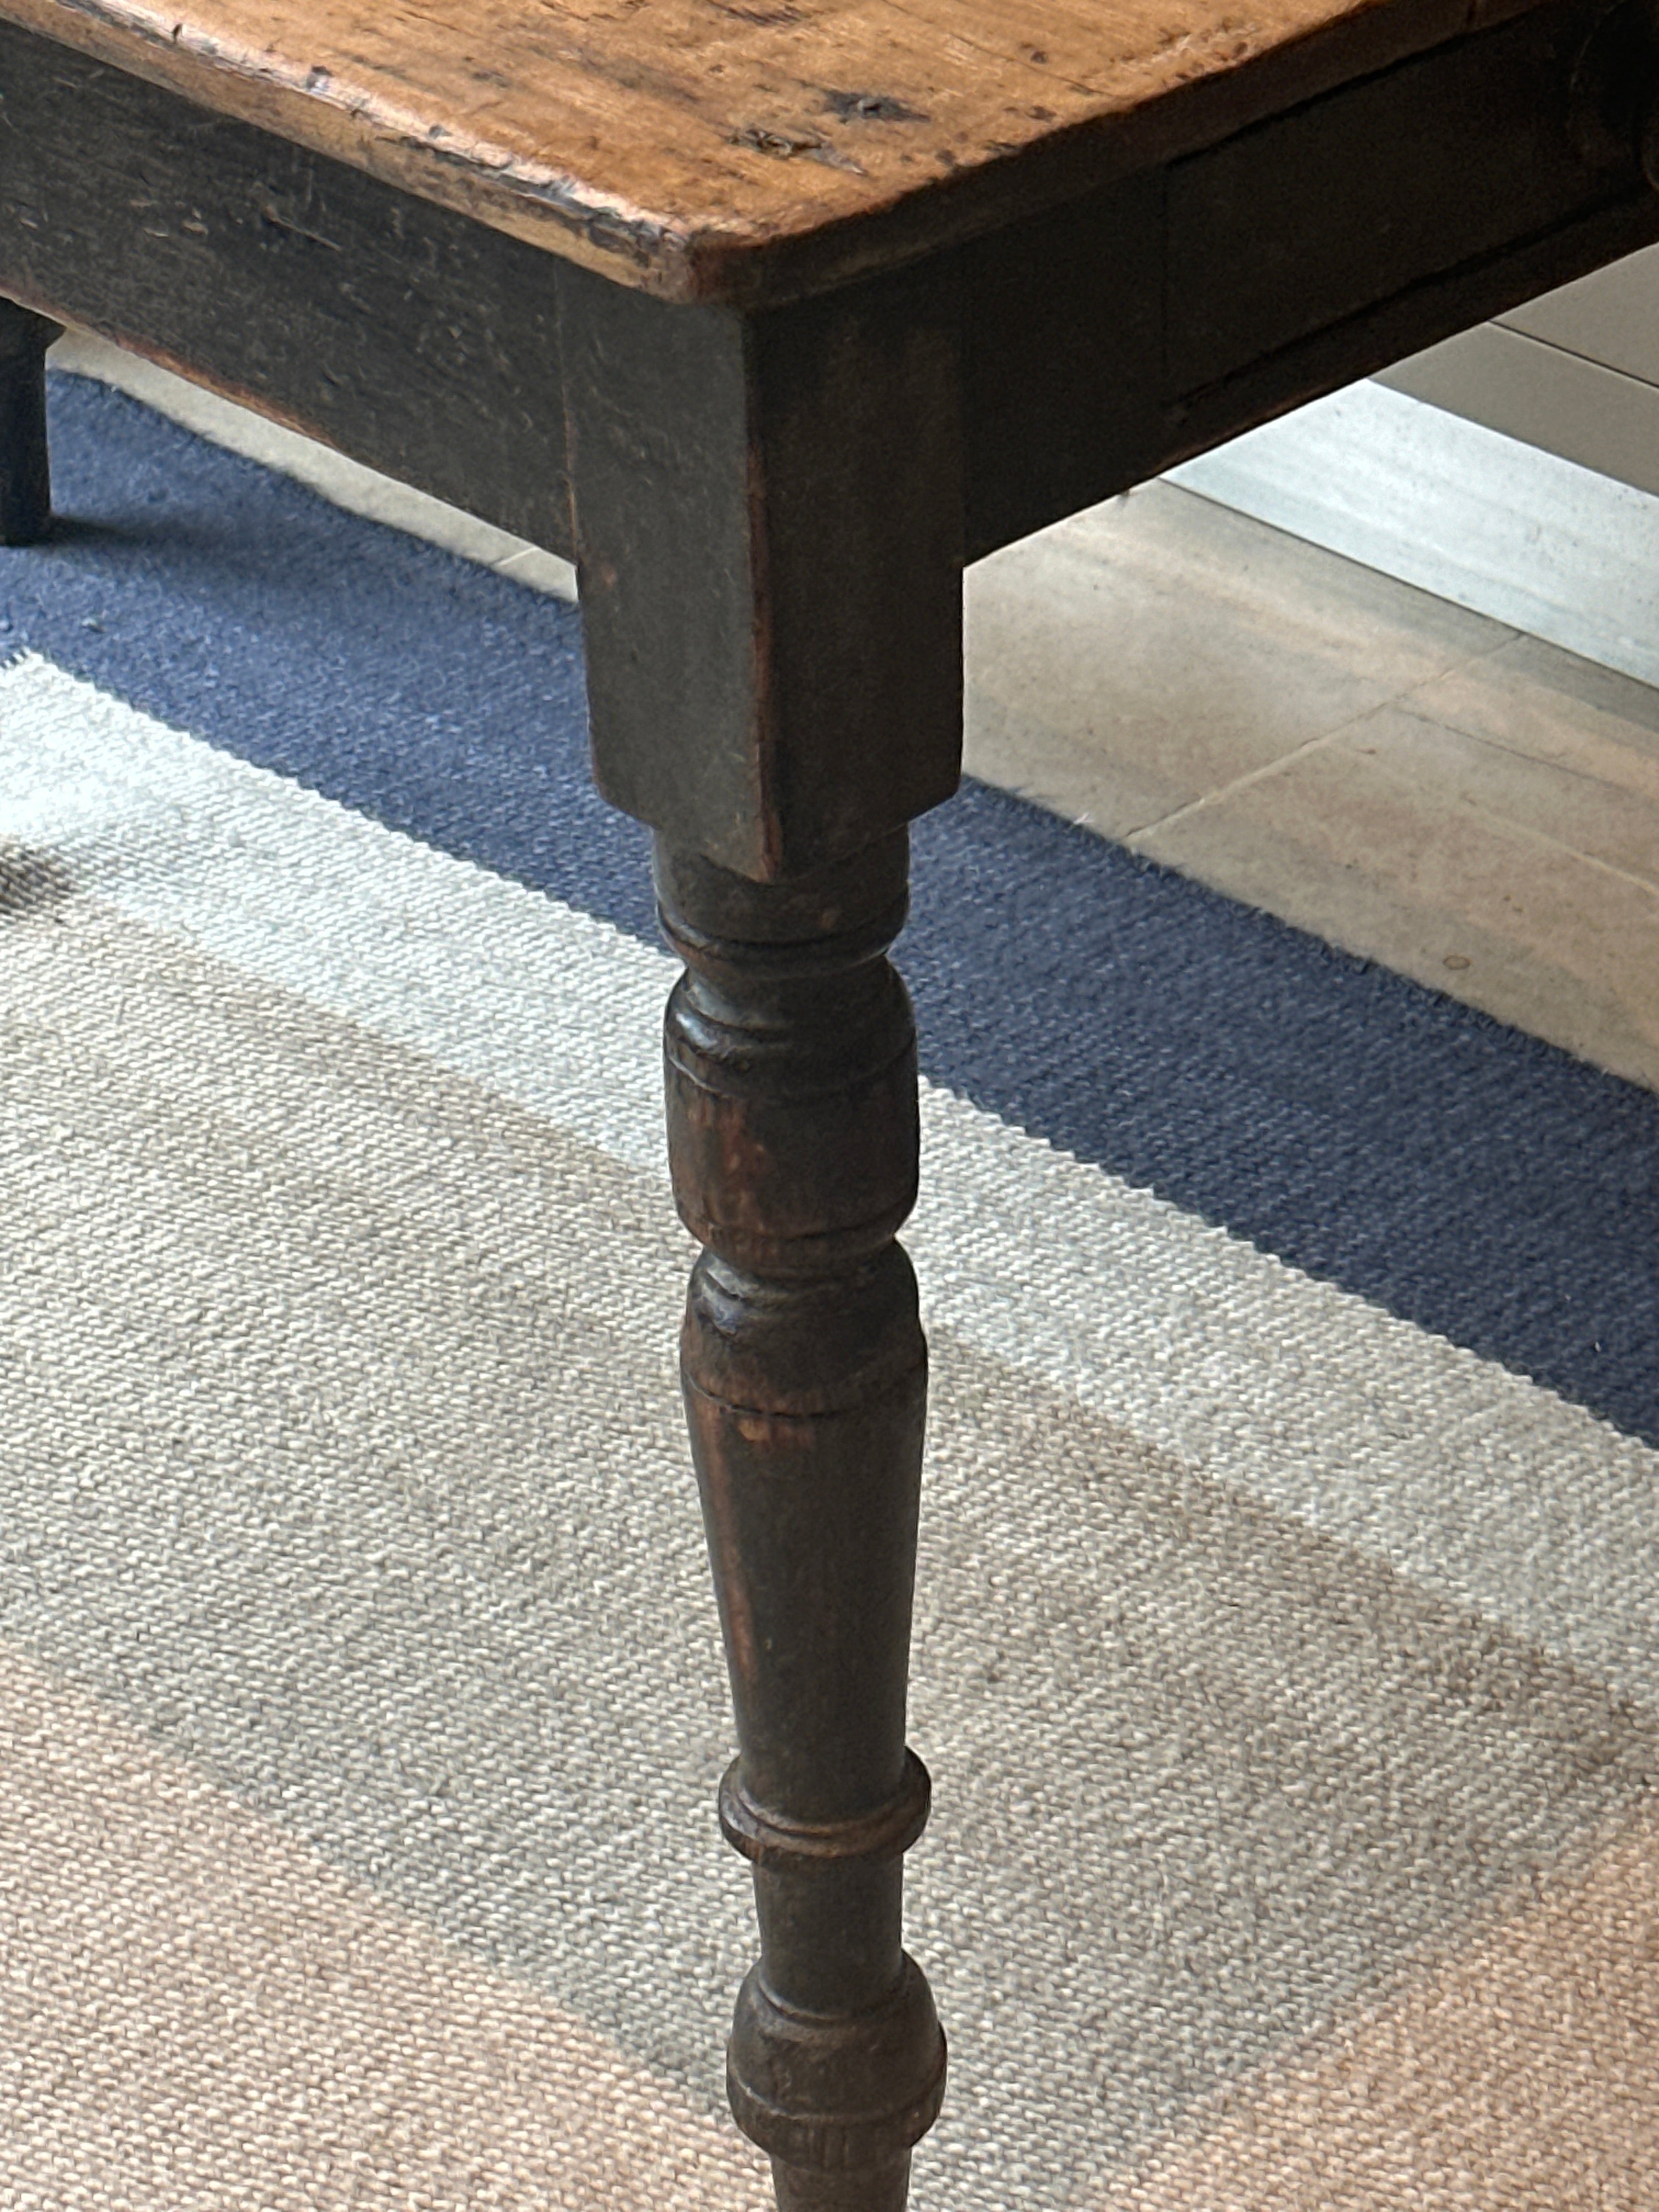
(1399, 699)
(1510, 823)
(1533, 760)
(1503, 823)
(1508, 827)
(1256, 774)
(1571, 353)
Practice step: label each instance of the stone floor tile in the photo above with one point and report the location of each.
(1372, 841)
(1125, 663)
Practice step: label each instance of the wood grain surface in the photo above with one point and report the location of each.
(748, 149)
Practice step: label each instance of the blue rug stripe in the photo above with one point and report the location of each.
(1468, 1177)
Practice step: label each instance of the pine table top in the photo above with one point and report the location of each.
(743, 149)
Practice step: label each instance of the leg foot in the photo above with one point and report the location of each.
(24, 478)
(885, 2189)
(793, 1138)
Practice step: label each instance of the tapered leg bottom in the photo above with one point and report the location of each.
(884, 2188)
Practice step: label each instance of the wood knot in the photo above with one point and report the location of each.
(870, 108)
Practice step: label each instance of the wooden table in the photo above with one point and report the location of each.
(773, 314)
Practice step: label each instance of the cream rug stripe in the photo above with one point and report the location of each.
(197, 2013)
(1520, 2074)
(1480, 1486)
(344, 1458)
(559, 1012)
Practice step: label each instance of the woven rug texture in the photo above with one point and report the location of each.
(1287, 1639)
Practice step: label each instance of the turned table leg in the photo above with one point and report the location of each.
(793, 1139)
(768, 532)
(25, 477)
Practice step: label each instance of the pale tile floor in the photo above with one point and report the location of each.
(1405, 778)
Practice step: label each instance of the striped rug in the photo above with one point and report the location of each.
(1287, 1649)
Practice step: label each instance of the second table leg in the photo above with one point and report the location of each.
(25, 475)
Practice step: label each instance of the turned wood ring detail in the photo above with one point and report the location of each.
(772, 1842)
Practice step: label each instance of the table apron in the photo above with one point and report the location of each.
(411, 338)
(1101, 343)
(1178, 308)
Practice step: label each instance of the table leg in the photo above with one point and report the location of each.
(769, 533)
(25, 477)
(793, 1139)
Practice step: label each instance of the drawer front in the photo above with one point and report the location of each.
(1292, 226)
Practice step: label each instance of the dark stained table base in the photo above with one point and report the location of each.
(770, 512)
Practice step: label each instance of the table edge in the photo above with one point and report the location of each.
(754, 267)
